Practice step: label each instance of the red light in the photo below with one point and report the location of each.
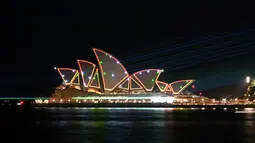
(200, 93)
(193, 86)
(21, 102)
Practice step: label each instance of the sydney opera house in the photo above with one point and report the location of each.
(109, 81)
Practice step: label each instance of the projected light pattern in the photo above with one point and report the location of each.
(178, 86)
(168, 89)
(134, 85)
(68, 75)
(95, 82)
(112, 75)
(113, 72)
(86, 69)
(76, 79)
(125, 84)
(147, 78)
(162, 86)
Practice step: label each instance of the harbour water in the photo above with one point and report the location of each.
(126, 125)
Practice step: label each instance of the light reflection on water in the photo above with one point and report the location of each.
(147, 125)
(130, 108)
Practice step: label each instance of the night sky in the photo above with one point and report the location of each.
(211, 43)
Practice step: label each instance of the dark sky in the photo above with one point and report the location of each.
(39, 35)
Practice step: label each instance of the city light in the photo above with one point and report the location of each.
(248, 79)
(110, 83)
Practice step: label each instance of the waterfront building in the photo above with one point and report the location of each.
(109, 79)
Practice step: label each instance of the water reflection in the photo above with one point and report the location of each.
(148, 125)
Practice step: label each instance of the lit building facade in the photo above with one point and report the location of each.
(109, 79)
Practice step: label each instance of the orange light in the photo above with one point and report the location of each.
(132, 82)
(123, 83)
(86, 83)
(102, 71)
(161, 84)
(95, 80)
(148, 71)
(188, 82)
(76, 75)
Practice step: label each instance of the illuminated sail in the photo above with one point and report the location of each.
(178, 86)
(86, 69)
(147, 78)
(125, 84)
(112, 71)
(134, 85)
(68, 75)
(76, 79)
(168, 89)
(95, 82)
(162, 86)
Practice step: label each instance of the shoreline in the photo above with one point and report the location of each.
(160, 105)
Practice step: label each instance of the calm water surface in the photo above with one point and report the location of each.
(127, 125)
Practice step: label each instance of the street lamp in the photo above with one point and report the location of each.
(248, 79)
